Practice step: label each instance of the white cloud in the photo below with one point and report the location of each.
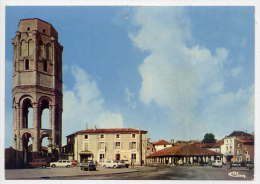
(178, 74)
(130, 96)
(84, 106)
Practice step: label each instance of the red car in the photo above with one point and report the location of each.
(74, 163)
(38, 163)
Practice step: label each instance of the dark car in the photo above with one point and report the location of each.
(88, 166)
(38, 163)
(249, 164)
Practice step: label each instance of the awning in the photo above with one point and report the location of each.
(85, 153)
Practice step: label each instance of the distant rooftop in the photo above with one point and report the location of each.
(161, 142)
(239, 134)
(110, 130)
(184, 150)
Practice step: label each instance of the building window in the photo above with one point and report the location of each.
(43, 30)
(133, 157)
(101, 145)
(86, 136)
(102, 136)
(101, 157)
(27, 64)
(133, 135)
(117, 157)
(85, 146)
(117, 145)
(164, 145)
(117, 136)
(132, 145)
(28, 28)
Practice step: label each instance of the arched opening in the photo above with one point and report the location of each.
(27, 147)
(44, 145)
(45, 118)
(27, 114)
(45, 115)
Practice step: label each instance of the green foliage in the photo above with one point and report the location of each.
(209, 138)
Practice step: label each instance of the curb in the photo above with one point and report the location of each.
(50, 177)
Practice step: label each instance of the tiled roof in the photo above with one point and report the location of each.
(246, 141)
(213, 145)
(184, 150)
(239, 134)
(161, 142)
(110, 130)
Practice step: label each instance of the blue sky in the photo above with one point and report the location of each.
(178, 72)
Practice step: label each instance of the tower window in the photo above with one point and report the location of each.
(45, 65)
(43, 30)
(27, 64)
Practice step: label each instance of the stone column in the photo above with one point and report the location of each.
(36, 127)
(53, 126)
(21, 120)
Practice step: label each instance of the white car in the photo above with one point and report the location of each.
(217, 163)
(61, 163)
(110, 164)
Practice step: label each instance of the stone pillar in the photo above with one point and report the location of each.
(53, 126)
(36, 127)
(20, 118)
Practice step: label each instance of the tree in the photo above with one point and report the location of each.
(209, 138)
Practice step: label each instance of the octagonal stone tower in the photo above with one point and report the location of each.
(37, 85)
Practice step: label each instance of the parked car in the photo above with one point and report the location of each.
(74, 163)
(217, 163)
(61, 163)
(88, 166)
(123, 163)
(236, 164)
(38, 163)
(111, 164)
(250, 164)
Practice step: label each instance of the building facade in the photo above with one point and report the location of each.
(101, 145)
(37, 85)
(244, 150)
(232, 149)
